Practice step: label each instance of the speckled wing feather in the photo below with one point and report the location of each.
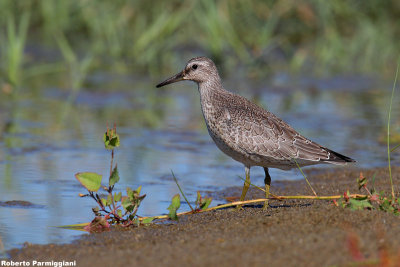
(265, 138)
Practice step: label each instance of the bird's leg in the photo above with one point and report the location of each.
(267, 182)
(246, 185)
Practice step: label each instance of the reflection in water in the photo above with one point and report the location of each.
(46, 140)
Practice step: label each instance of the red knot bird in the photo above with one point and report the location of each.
(248, 133)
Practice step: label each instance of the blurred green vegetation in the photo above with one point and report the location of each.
(40, 36)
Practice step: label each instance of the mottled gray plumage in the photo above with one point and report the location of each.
(247, 132)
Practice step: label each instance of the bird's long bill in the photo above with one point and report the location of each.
(176, 78)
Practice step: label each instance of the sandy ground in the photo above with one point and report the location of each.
(289, 233)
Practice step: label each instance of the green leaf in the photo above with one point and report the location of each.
(359, 204)
(119, 212)
(205, 203)
(114, 177)
(90, 180)
(109, 200)
(198, 199)
(362, 181)
(175, 204)
(79, 227)
(137, 191)
(130, 194)
(386, 206)
(104, 202)
(147, 220)
(115, 141)
(127, 204)
(117, 197)
(111, 139)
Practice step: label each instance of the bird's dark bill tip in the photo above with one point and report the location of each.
(176, 78)
(161, 84)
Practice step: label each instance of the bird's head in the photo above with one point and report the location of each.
(198, 69)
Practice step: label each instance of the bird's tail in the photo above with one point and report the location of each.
(337, 158)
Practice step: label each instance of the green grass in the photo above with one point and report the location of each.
(149, 36)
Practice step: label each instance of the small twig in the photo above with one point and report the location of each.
(176, 181)
(321, 197)
(110, 188)
(99, 201)
(160, 217)
(298, 166)
(112, 160)
(256, 201)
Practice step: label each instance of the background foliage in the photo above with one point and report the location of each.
(148, 35)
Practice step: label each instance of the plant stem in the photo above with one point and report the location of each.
(366, 189)
(176, 181)
(110, 188)
(305, 177)
(388, 127)
(236, 204)
(112, 161)
(257, 201)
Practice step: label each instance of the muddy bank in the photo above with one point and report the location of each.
(289, 233)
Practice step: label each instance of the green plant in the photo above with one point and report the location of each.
(337, 35)
(372, 200)
(201, 204)
(112, 208)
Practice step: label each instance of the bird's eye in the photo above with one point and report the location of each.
(194, 66)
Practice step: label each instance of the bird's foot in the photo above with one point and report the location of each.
(265, 207)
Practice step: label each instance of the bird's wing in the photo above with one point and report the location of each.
(261, 133)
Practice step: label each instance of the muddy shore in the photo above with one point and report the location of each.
(289, 233)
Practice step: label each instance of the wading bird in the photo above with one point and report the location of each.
(248, 133)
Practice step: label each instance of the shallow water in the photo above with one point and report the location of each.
(45, 140)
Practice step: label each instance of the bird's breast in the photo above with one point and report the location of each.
(225, 136)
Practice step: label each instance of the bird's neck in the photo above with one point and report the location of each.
(210, 92)
(209, 87)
